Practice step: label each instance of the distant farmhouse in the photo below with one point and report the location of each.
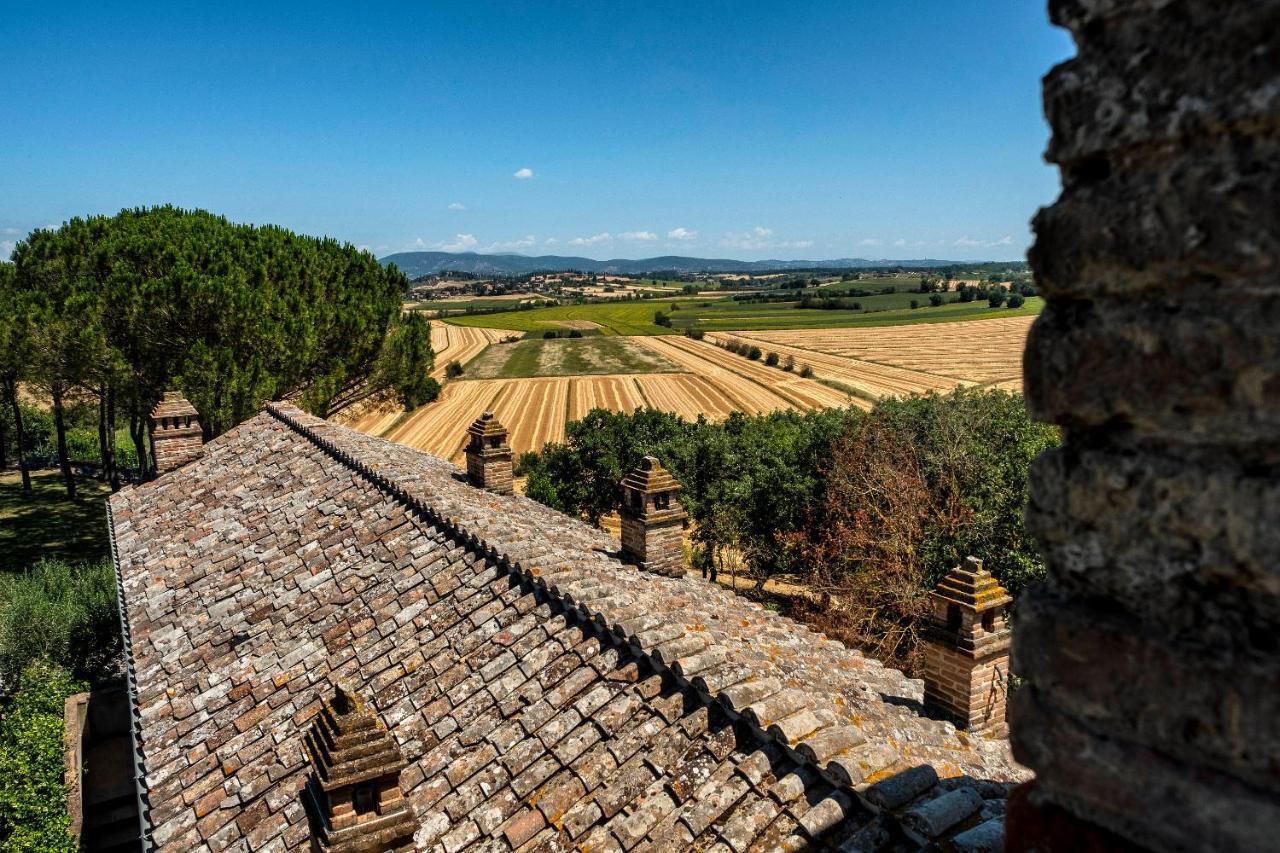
(338, 643)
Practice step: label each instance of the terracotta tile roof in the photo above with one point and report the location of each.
(543, 694)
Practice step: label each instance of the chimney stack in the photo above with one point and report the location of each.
(652, 519)
(966, 650)
(489, 455)
(176, 436)
(353, 798)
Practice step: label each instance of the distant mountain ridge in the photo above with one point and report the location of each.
(415, 264)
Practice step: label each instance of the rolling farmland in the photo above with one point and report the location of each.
(539, 386)
(535, 410)
(988, 353)
(459, 343)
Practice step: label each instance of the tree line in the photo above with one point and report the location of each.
(117, 309)
(868, 509)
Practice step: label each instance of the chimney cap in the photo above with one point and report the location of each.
(487, 425)
(973, 587)
(174, 405)
(649, 476)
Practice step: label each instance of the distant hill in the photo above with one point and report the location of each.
(415, 264)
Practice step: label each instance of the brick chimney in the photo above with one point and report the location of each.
(652, 519)
(353, 798)
(966, 650)
(176, 436)
(489, 455)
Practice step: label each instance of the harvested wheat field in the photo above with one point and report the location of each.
(758, 388)
(535, 410)
(982, 352)
(869, 379)
(460, 343)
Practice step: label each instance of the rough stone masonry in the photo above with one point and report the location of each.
(1151, 704)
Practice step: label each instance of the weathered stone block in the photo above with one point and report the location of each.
(1177, 370)
(1185, 544)
(1200, 707)
(1140, 793)
(1134, 82)
(1118, 231)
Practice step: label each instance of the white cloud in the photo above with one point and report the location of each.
(550, 241)
(461, 243)
(593, 240)
(10, 232)
(6, 248)
(518, 245)
(681, 234)
(457, 205)
(870, 241)
(761, 238)
(901, 241)
(523, 173)
(970, 243)
(637, 235)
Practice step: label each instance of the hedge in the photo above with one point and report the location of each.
(33, 799)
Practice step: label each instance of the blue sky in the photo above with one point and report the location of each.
(607, 129)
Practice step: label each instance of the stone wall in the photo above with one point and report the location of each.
(1151, 703)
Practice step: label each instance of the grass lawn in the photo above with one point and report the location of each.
(44, 523)
(565, 357)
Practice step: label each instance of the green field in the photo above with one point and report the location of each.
(500, 304)
(565, 357)
(636, 318)
(721, 317)
(620, 318)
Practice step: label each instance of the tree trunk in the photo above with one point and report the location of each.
(113, 475)
(60, 426)
(4, 448)
(102, 432)
(139, 443)
(19, 434)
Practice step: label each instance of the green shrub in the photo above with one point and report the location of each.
(453, 370)
(61, 612)
(771, 359)
(754, 353)
(33, 800)
(1017, 300)
(806, 372)
(696, 334)
(995, 298)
